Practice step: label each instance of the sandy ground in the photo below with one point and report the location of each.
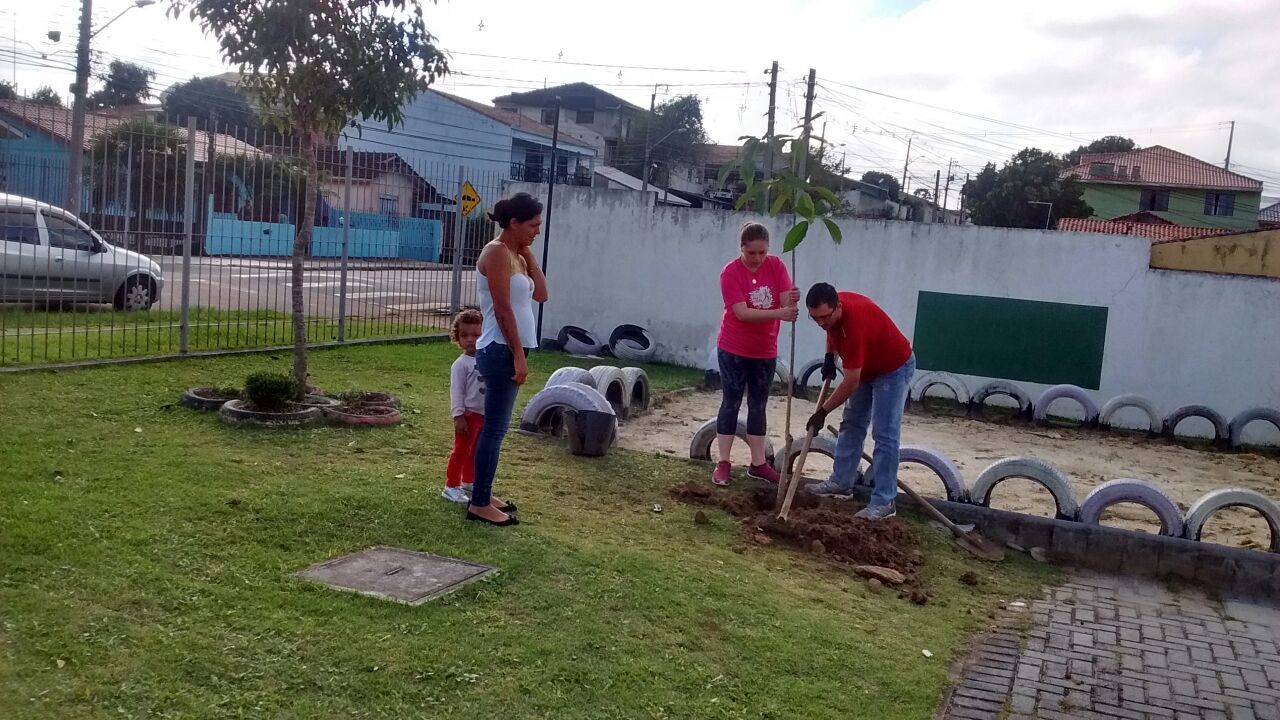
(1088, 458)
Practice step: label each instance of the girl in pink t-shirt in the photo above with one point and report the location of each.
(758, 296)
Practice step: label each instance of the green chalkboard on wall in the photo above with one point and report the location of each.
(1009, 338)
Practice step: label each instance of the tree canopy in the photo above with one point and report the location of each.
(124, 84)
(1025, 193)
(675, 135)
(209, 100)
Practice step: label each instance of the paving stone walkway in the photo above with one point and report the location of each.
(1111, 647)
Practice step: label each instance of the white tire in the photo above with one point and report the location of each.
(1216, 500)
(823, 444)
(629, 350)
(947, 472)
(920, 388)
(1032, 469)
(1115, 404)
(545, 411)
(635, 388)
(612, 385)
(704, 439)
(579, 341)
(1140, 492)
(571, 374)
(1074, 392)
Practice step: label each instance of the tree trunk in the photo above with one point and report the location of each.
(302, 241)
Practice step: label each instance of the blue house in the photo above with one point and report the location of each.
(441, 133)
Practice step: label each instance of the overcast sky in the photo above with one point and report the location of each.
(999, 74)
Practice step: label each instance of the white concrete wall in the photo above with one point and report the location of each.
(1178, 338)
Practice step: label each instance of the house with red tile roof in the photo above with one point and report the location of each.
(1172, 186)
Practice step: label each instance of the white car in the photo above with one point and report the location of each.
(47, 254)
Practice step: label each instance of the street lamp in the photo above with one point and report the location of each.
(136, 4)
(644, 181)
(75, 165)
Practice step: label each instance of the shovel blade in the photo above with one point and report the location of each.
(980, 547)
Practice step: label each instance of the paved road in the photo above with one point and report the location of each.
(373, 289)
(1108, 647)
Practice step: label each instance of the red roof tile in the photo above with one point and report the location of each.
(1156, 232)
(1159, 166)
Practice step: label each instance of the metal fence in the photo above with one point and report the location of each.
(193, 229)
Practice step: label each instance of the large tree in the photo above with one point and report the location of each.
(1026, 193)
(125, 84)
(674, 134)
(1108, 144)
(208, 100)
(884, 181)
(7, 92)
(46, 95)
(323, 64)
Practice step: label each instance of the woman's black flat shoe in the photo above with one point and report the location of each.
(508, 508)
(509, 521)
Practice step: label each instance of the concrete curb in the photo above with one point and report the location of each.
(1216, 568)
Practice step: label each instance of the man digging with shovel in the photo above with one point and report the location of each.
(878, 366)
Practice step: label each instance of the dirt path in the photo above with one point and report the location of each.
(1088, 458)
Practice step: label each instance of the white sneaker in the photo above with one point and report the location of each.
(456, 495)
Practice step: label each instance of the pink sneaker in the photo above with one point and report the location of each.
(764, 472)
(720, 475)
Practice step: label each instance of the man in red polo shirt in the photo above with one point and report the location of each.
(878, 367)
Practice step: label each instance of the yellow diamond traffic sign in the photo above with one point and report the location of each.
(470, 198)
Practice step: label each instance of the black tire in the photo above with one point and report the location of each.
(1221, 431)
(1238, 423)
(136, 293)
(1001, 387)
(203, 398)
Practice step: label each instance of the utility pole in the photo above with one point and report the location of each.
(903, 187)
(947, 190)
(773, 111)
(75, 165)
(937, 178)
(806, 132)
(546, 224)
(1230, 138)
(648, 129)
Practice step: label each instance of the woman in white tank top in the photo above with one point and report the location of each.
(509, 282)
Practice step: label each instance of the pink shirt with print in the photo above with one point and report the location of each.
(760, 290)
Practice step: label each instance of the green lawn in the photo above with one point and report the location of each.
(50, 336)
(146, 554)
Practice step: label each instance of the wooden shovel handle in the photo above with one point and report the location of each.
(793, 478)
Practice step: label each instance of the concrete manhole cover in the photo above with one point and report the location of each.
(394, 574)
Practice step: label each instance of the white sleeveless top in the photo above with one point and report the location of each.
(521, 305)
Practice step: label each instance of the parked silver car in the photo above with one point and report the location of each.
(49, 255)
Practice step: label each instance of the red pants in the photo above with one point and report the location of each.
(462, 461)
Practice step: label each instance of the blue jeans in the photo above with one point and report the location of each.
(879, 404)
(497, 367)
